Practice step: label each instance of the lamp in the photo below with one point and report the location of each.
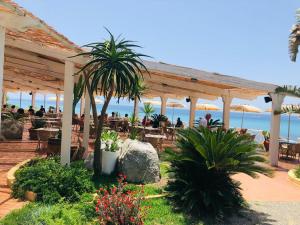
(188, 99)
(267, 99)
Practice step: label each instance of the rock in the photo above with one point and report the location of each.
(12, 129)
(139, 162)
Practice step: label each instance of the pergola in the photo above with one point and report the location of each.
(36, 58)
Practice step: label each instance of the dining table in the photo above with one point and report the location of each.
(156, 140)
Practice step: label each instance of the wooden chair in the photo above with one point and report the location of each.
(43, 136)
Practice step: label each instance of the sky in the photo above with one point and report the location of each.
(247, 38)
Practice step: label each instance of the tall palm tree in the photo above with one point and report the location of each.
(115, 70)
(294, 38)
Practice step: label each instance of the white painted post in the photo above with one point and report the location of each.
(2, 48)
(193, 103)
(163, 108)
(82, 106)
(86, 129)
(226, 110)
(67, 113)
(136, 108)
(277, 100)
(33, 99)
(57, 102)
(4, 97)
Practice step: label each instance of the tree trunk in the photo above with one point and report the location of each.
(98, 151)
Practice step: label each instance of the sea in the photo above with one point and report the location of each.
(255, 121)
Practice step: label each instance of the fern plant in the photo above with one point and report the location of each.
(202, 171)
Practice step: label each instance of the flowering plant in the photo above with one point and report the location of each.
(118, 206)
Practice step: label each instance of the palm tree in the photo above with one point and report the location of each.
(148, 110)
(289, 90)
(77, 92)
(115, 70)
(294, 38)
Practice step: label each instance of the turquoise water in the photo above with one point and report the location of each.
(259, 121)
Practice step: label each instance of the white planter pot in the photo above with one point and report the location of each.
(109, 161)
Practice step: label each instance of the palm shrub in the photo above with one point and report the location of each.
(202, 171)
(114, 70)
(148, 110)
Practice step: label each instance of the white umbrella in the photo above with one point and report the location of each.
(174, 105)
(207, 107)
(245, 108)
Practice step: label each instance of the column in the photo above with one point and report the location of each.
(163, 107)
(86, 129)
(4, 97)
(136, 107)
(82, 106)
(67, 113)
(33, 94)
(226, 110)
(2, 47)
(277, 100)
(57, 102)
(193, 103)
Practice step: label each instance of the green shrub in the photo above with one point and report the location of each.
(297, 172)
(58, 214)
(51, 181)
(202, 183)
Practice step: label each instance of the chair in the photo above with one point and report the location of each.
(294, 151)
(43, 136)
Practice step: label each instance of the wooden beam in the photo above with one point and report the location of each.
(44, 50)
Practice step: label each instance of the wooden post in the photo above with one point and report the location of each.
(2, 47)
(33, 94)
(277, 100)
(193, 103)
(136, 108)
(67, 113)
(226, 110)
(57, 102)
(82, 105)
(163, 108)
(86, 129)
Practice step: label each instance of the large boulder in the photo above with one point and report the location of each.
(139, 162)
(12, 129)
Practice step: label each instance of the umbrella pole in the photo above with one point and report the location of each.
(289, 126)
(20, 99)
(242, 119)
(173, 117)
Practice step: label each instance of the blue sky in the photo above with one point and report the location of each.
(247, 38)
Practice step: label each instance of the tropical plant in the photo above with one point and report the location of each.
(157, 118)
(294, 38)
(288, 89)
(214, 123)
(116, 205)
(202, 171)
(148, 109)
(111, 141)
(114, 70)
(78, 91)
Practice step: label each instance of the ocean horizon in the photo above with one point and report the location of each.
(255, 121)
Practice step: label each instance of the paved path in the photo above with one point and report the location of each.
(12, 153)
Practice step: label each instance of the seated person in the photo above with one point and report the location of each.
(31, 110)
(39, 113)
(113, 116)
(202, 122)
(81, 122)
(13, 109)
(42, 109)
(20, 111)
(179, 123)
(126, 117)
(4, 108)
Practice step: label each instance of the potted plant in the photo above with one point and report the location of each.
(158, 119)
(36, 124)
(110, 146)
(267, 139)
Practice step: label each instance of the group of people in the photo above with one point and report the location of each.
(20, 111)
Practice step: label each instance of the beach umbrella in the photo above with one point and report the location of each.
(245, 108)
(174, 105)
(53, 98)
(152, 102)
(207, 107)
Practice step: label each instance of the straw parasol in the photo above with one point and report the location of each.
(53, 98)
(245, 108)
(152, 102)
(207, 107)
(174, 105)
